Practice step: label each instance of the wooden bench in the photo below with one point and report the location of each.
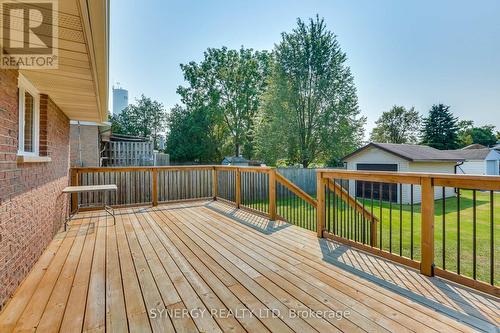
(91, 188)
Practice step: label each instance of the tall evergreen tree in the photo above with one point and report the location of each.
(440, 128)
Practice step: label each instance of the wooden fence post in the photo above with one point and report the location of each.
(427, 227)
(272, 194)
(154, 175)
(74, 196)
(215, 183)
(320, 197)
(238, 188)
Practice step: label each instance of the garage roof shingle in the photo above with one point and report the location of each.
(413, 153)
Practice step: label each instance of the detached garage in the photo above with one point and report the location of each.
(399, 158)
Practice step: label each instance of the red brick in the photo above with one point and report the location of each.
(31, 205)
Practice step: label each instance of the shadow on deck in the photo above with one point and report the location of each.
(205, 266)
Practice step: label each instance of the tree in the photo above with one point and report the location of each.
(190, 136)
(464, 132)
(398, 125)
(310, 111)
(228, 84)
(146, 118)
(469, 134)
(484, 135)
(440, 128)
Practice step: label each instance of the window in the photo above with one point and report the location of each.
(29, 118)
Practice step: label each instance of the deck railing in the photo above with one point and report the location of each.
(445, 225)
(441, 224)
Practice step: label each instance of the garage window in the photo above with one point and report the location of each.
(389, 192)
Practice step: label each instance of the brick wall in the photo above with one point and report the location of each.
(31, 206)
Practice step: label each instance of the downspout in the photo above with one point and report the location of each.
(458, 166)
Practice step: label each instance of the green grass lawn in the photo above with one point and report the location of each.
(392, 225)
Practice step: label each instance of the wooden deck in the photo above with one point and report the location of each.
(204, 266)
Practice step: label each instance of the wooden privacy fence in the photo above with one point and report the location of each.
(118, 153)
(453, 237)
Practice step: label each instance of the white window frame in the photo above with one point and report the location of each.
(24, 86)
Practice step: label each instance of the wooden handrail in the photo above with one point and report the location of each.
(374, 176)
(297, 190)
(482, 182)
(143, 168)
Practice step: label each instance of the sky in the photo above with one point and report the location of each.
(410, 53)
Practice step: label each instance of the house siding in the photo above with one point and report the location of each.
(473, 167)
(428, 167)
(89, 141)
(32, 208)
(375, 155)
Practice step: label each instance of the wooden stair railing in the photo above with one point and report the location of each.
(296, 190)
(358, 206)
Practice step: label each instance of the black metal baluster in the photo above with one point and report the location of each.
(411, 221)
(390, 218)
(400, 196)
(492, 240)
(474, 230)
(363, 235)
(381, 220)
(371, 209)
(328, 209)
(334, 201)
(444, 226)
(458, 231)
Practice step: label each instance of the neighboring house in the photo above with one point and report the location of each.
(493, 163)
(399, 158)
(478, 161)
(239, 161)
(86, 141)
(36, 106)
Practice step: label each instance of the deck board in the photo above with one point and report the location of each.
(207, 267)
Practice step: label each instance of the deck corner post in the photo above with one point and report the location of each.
(238, 188)
(272, 195)
(427, 227)
(154, 189)
(215, 184)
(320, 195)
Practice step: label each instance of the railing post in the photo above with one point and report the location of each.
(373, 232)
(427, 227)
(215, 183)
(154, 175)
(320, 196)
(272, 194)
(238, 188)
(74, 196)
